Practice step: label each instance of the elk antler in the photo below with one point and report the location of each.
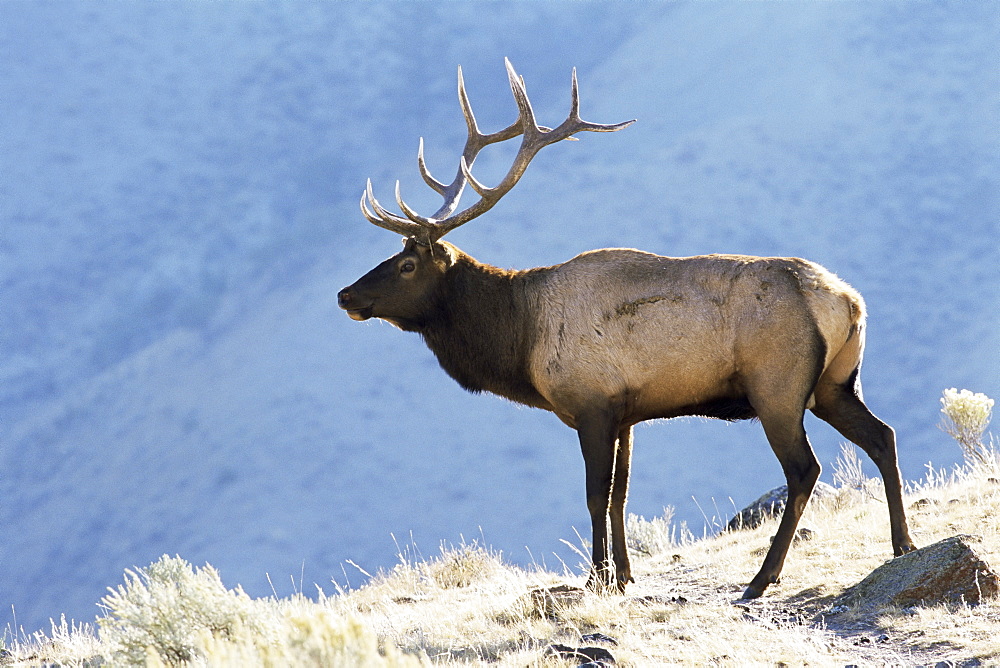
(427, 230)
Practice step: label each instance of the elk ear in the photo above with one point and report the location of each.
(443, 252)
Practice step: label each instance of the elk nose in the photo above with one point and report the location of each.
(344, 298)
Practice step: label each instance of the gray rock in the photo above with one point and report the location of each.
(771, 504)
(548, 601)
(587, 655)
(949, 571)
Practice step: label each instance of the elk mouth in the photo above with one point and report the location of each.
(359, 314)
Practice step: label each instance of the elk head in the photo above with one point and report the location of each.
(401, 290)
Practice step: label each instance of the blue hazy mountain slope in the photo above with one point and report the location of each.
(178, 207)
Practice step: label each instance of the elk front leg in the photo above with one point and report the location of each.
(619, 495)
(597, 434)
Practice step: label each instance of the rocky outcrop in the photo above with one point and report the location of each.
(949, 571)
(771, 504)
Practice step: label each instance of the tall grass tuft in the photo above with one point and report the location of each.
(655, 536)
(849, 476)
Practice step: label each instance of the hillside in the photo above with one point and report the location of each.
(178, 209)
(467, 605)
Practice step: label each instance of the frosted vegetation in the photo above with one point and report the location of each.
(467, 605)
(966, 417)
(179, 206)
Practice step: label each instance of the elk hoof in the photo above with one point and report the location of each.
(621, 580)
(755, 590)
(604, 583)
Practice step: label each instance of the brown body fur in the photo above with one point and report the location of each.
(614, 337)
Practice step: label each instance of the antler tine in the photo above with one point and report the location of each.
(436, 185)
(473, 181)
(378, 215)
(474, 143)
(526, 115)
(477, 140)
(574, 123)
(374, 219)
(410, 213)
(574, 98)
(463, 101)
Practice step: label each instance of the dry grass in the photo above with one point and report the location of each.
(468, 607)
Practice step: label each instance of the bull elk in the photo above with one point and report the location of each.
(615, 336)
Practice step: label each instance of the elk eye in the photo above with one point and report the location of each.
(407, 267)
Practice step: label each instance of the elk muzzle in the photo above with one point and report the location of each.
(348, 301)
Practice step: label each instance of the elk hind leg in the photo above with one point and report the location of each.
(841, 405)
(788, 440)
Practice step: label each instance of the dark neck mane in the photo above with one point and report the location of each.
(483, 330)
